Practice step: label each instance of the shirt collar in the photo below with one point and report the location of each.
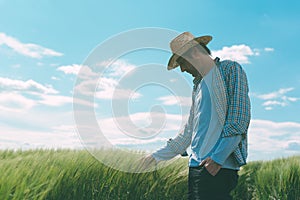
(217, 60)
(197, 80)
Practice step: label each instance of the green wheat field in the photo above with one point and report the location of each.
(75, 174)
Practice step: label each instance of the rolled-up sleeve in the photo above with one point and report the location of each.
(182, 141)
(225, 148)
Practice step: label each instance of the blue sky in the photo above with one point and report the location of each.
(43, 44)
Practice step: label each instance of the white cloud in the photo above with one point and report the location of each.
(273, 103)
(26, 127)
(276, 125)
(137, 128)
(268, 108)
(138, 125)
(277, 98)
(275, 94)
(20, 138)
(14, 102)
(112, 93)
(27, 49)
(269, 140)
(20, 96)
(268, 49)
(239, 53)
(55, 78)
(106, 84)
(106, 89)
(37, 128)
(173, 100)
(54, 100)
(256, 52)
(116, 68)
(86, 87)
(7, 84)
(70, 69)
(59, 100)
(64, 128)
(83, 72)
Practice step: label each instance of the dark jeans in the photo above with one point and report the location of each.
(204, 186)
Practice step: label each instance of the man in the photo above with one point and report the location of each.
(218, 121)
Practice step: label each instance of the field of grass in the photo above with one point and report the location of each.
(69, 174)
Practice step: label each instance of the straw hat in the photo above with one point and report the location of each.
(182, 43)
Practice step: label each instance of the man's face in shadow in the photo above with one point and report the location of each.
(196, 61)
(186, 66)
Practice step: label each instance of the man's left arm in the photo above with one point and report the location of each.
(238, 111)
(237, 119)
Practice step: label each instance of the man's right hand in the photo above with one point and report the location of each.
(211, 166)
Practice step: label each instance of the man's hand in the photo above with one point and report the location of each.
(146, 162)
(211, 166)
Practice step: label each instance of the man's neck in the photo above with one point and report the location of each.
(203, 70)
(205, 65)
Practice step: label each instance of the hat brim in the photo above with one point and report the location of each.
(172, 61)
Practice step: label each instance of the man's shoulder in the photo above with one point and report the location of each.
(229, 65)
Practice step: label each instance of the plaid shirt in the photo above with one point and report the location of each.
(230, 96)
